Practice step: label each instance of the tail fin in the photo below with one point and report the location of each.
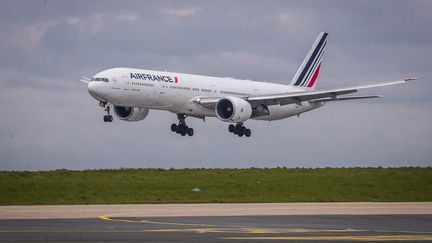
(308, 72)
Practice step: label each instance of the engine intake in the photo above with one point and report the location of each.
(233, 109)
(130, 113)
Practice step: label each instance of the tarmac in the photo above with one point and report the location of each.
(279, 222)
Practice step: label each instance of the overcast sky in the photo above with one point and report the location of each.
(49, 121)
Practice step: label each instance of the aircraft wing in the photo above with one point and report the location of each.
(332, 94)
(298, 97)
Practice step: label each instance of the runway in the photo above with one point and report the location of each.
(413, 223)
(304, 228)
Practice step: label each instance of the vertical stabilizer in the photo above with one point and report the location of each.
(308, 72)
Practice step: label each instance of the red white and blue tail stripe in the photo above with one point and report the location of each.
(308, 72)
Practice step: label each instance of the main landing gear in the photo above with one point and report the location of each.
(240, 130)
(182, 128)
(107, 117)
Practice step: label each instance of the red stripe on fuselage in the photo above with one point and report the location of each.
(314, 77)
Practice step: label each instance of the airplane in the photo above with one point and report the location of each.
(133, 92)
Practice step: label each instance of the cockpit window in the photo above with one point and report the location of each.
(100, 79)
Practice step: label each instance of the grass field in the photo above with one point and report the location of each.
(216, 185)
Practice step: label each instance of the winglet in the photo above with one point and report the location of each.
(412, 78)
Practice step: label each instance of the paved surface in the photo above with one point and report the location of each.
(273, 222)
(162, 210)
(291, 228)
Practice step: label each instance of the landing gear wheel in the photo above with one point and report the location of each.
(231, 128)
(182, 128)
(240, 130)
(190, 132)
(173, 127)
(240, 133)
(107, 117)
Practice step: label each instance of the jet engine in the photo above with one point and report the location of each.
(233, 109)
(130, 113)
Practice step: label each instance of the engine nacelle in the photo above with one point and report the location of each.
(130, 113)
(233, 109)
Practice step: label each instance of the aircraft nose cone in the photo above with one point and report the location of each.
(94, 90)
(91, 88)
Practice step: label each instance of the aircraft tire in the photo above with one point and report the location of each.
(231, 128)
(190, 132)
(240, 132)
(238, 129)
(173, 127)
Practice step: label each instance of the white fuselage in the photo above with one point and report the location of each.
(175, 92)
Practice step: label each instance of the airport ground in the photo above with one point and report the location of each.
(280, 222)
(231, 205)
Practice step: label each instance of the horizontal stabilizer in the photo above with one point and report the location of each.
(85, 80)
(412, 78)
(348, 98)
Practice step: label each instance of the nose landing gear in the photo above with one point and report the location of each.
(182, 128)
(107, 117)
(239, 129)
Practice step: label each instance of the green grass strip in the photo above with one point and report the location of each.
(216, 186)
